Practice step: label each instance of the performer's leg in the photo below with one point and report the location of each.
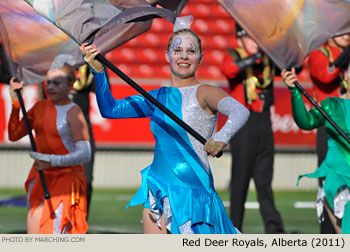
(150, 225)
(33, 221)
(333, 219)
(263, 174)
(326, 226)
(243, 152)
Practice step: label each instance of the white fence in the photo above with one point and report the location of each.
(121, 169)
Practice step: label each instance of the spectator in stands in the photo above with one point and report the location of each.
(334, 195)
(327, 81)
(250, 74)
(177, 188)
(62, 141)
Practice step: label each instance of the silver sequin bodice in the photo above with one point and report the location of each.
(198, 119)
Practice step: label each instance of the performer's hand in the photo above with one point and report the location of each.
(42, 161)
(289, 77)
(13, 87)
(212, 147)
(41, 165)
(89, 53)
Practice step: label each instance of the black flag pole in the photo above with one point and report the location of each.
(11, 68)
(90, 38)
(143, 92)
(32, 142)
(318, 107)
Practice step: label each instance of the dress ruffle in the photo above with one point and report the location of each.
(200, 210)
(72, 196)
(335, 190)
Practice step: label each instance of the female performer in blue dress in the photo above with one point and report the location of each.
(177, 188)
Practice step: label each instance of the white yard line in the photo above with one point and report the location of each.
(255, 205)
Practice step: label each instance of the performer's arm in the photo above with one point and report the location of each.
(16, 127)
(131, 107)
(80, 155)
(306, 120)
(237, 116)
(232, 68)
(215, 99)
(319, 68)
(229, 68)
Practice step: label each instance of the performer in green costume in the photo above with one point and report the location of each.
(335, 169)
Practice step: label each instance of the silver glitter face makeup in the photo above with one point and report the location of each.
(184, 49)
(177, 42)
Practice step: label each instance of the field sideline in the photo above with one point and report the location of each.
(108, 214)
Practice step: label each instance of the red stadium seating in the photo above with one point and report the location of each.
(213, 56)
(143, 56)
(205, 9)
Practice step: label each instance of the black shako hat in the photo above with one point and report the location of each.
(240, 32)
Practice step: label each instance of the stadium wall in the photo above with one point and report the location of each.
(121, 169)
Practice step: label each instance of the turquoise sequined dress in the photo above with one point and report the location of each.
(178, 183)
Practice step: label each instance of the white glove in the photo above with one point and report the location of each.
(40, 156)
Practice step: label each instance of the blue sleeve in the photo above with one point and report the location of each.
(135, 106)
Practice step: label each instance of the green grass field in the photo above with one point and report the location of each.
(108, 214)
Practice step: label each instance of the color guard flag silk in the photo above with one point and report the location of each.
(81, 18)
(288, 30)
(31, 42)
(35, 32)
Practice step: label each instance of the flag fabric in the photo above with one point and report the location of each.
(30, 42)
(173, 5)
(81, 18)
(288, 30)
(36, 32)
